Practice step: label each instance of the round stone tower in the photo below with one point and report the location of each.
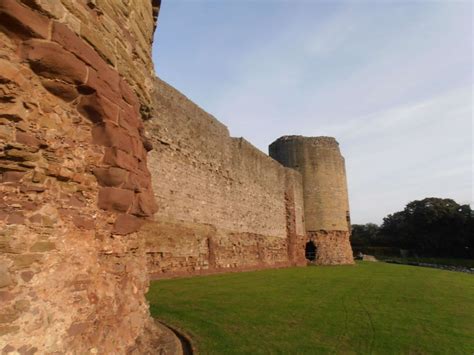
(326, 201)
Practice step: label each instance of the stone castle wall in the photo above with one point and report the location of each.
(91, 146)
(326, 200)
(75, 80)
(223, 203)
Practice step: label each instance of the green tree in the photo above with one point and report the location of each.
(365, 234)
(432, 227)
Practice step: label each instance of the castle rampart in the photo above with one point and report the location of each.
(222, 201)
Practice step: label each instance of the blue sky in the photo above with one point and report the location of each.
(391, 80)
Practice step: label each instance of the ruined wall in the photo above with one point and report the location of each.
(222, 201)
(326, 202)
(74, 87)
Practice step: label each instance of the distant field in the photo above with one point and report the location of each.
(370, 308)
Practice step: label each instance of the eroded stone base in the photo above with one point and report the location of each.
(332, 247)
(183, 248)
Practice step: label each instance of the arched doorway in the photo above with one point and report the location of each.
(310, 251)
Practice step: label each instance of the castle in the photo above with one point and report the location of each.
(109, 176)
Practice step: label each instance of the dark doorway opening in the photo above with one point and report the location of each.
(310, 251)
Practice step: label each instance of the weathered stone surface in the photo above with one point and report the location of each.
(114, 199)
(14, 111)
(76, 186)
(203, 177)
(319, 160)
(52, 61)
(74, 43)
(332, 247)
(82, 222)
(42, 247)
(112, 177)
(326, 200)
(126, 224)
(144, 205)
(16, 218)
(61, 89)
(72, 277)
(27, 139)
(109, 135)
(20, 20)
(106, 83)
(118, 158)
(97, 108)
(5, 278)
(12, 176)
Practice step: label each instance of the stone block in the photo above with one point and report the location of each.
(6, 329)
(106, 83)
(5, 278)
(109, 135)
(128, 94)
(13, 111)
(114, 199)
(53, 8)
(119, 158)
(25, 260)
(76, 200)
(77, 328)
(27, 139)
(42, 247)
(130, 119)
(138, 149)
(78, 11)
(21, 155)
(112, 176)
(12, 176)
(9, 315)
(38, 177)
(10, 72)
(82, 222)
(60, 89)
(16, 218)
(50, 60)
(27, 350)
(75, 44)
(97, 108)
(126, 224)
(21, 21)
(96, 40)
(22, 305)
(137, 182)
(6, 133)
(144, 204)
(27, 275)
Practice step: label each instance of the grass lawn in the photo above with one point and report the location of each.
(440, 261)
(370, 308)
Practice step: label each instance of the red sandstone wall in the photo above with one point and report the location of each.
(74, 87)
(223, 203)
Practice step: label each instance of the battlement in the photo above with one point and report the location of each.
(320, 140)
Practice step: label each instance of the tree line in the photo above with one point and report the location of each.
(434, 227)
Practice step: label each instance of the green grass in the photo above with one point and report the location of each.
(370, 308)
(440, 261)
